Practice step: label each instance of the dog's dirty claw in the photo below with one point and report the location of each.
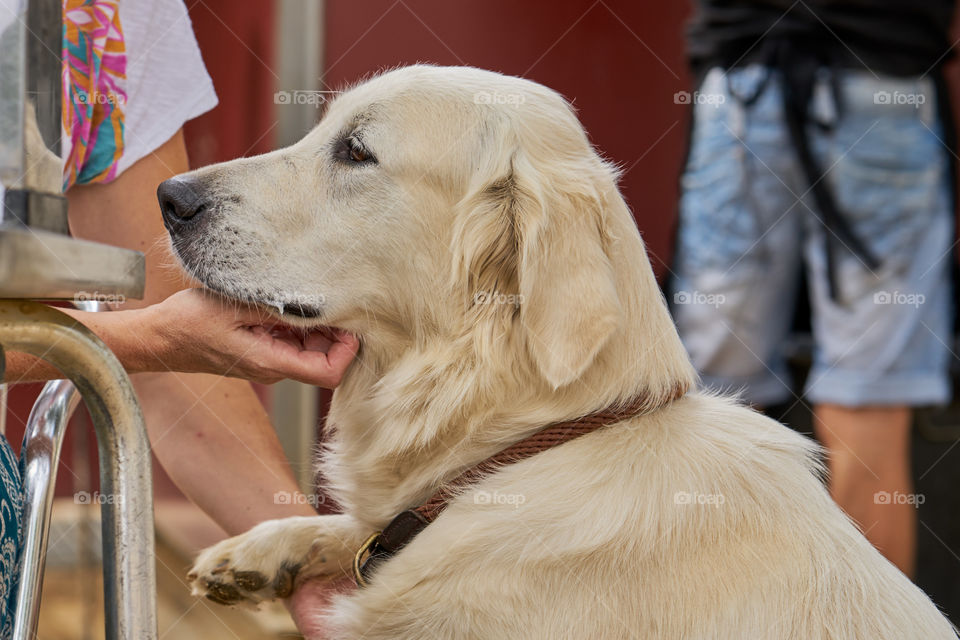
(253, 567)
(223, 593)
(244, 570)
(250, 580)
(284, 581)
(226, 585)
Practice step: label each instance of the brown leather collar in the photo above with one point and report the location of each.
(402, 529)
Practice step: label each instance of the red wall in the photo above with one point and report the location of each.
(236, 40)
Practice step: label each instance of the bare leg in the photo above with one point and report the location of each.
(869, 461)
(211, 434)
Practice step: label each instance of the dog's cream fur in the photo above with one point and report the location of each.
(498, 283)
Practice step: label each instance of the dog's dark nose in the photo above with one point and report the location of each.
(181, 202)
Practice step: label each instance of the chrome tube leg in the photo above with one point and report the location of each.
(127, 513)
(43, 441)
(40, 456)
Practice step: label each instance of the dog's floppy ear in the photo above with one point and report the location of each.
(568, 300)
(535, 235)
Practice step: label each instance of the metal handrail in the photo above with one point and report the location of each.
(129, 570)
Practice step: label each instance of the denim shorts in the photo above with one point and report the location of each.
(748, 225)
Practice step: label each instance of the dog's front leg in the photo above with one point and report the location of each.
(264, 563)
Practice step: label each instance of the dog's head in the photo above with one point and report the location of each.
(429, 202)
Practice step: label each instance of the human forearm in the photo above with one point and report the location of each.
(214, 440)
(124, 332)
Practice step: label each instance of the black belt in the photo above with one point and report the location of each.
(799, 70)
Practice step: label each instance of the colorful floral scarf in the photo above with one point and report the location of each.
(94, 76)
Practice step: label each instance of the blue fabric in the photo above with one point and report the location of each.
(748, 225)
(11, 509)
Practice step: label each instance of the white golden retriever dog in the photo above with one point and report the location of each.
(460, 223)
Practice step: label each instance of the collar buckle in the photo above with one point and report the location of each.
(360, 559)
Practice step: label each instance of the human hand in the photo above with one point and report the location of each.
(196, 331)
(308, 602)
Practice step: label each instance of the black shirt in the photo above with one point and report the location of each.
(895, 37)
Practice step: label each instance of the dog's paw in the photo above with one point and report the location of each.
(261, 564)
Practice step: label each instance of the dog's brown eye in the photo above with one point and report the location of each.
(352, 151)
(359, 154)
